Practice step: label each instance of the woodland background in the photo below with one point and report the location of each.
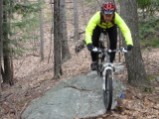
(38, 41)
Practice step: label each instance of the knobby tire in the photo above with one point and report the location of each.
(108, 93)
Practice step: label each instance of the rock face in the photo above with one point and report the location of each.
(79, 97)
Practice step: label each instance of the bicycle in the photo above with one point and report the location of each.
(106, 70)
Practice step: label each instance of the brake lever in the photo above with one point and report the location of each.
(124, 50)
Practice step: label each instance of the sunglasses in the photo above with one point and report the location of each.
(110, 12)
(108, 15)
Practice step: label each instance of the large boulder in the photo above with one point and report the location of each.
(78, 97)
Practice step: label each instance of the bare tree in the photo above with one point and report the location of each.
(1, 34)
(57, 40)
(41, 33)
(65, 49)
(7, 72)
(136, 71)
(83, 12)
(76, 26)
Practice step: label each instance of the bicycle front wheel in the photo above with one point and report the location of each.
(108, 92)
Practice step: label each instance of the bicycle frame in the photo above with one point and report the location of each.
(103, 60)
(105, 69)
(104, 65)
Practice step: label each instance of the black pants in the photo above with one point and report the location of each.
(112, 33)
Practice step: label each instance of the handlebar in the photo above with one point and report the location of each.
(100, 50)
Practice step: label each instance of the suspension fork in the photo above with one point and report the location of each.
(104, 74)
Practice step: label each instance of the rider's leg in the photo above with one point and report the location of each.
(112, 32)
(95, 41)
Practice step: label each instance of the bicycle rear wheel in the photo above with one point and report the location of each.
(108, 92)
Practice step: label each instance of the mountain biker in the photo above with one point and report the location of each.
(106, 21)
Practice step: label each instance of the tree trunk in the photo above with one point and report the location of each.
(7, 56)
(1, 34)
(84, 13)
(57, 40)
(76, 27)
(41, 33)
(65, 49)
(136, 71)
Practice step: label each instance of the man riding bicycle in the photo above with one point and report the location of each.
(106, 21)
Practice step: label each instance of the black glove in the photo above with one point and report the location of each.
(90, 47)
(129, 47)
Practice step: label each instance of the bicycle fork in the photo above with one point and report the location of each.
(104, 75)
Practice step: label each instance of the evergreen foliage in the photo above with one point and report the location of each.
(22, 24)
(149, 7)
(149, 28)
(148, 12)
(149, 32)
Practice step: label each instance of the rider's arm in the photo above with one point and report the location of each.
(124, 29)
(95, 19)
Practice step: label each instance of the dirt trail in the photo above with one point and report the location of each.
(136, 105)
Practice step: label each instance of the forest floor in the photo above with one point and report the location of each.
(33, 78)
